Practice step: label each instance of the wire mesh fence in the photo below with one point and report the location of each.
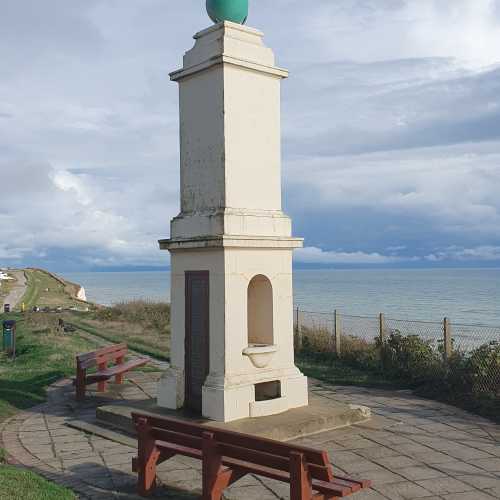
(456, 356)
(463, 337)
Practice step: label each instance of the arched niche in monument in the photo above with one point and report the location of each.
(260, 311)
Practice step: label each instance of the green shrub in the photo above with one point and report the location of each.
(42, 322)
(483, 370)
(468, 379)
(316, 340)
(319, 343)
(411, 359)
(153, 314)
(360, 353)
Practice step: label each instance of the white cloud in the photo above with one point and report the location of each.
(481, 253)
(313, 255)
(367, 30)
(86, 216)
(454, 188)
(389, 113)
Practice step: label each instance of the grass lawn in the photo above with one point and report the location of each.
(150, 343)
(337, 372)
(144, 326)
(16, 484)
(43, 290)
(42, 358)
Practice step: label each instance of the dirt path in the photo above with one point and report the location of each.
(17, 292)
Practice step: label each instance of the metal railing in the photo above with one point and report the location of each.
(453, 336)
(455, 353)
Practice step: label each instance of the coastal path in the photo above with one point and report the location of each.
(412, 448)
(18, 290)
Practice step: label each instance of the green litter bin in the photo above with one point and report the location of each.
(9, 337)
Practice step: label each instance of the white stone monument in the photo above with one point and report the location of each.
(232, 353)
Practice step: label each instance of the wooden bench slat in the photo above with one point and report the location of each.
(114, 355)
(239, 454)
(181, 450)
(269, 446)
(234, 438)
(176, 438)
(363, 483)
(104, 358)
(274, 461)
(94, 378)
(348, 484)
(334, 486)
(284, 476)
(103, 350)
(124, 367)
(339, 490)
(253, 456)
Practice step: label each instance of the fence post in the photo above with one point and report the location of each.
(448, 345)
(298, 331)
(337, 332)
(381, 327)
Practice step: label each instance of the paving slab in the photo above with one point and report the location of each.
(321, 415)
(403, 461)
(403, 491)
(445, 485)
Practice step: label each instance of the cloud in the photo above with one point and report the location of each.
(313, 255)
(87, 216)
(453, 188)
(481, 253)
(391, 125)
(367, 30)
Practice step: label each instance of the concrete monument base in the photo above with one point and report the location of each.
(227, 399)
(320, 415)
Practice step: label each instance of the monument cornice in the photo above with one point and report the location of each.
(231, 241)
(183, 73)
(229, 24)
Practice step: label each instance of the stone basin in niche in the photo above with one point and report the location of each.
(260, 354)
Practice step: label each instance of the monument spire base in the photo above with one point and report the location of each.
(231, 246)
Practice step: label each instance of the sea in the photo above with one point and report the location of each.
(466, 296)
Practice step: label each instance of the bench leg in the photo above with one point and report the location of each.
(80, 385)
(102, 386)
(80, 392)
(214, 479)
(300, 479)
(119, 377)
(147, 458)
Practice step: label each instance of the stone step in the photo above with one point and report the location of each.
(322, 414)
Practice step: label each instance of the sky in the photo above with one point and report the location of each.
(390, 117)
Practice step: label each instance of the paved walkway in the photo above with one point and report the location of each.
(17, 292)
(412, 449)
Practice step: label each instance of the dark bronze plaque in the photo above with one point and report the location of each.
(197, 336)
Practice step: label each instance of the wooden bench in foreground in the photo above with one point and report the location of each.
(100, 359)
(228, 456)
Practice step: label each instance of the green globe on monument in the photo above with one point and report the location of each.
(228, 10)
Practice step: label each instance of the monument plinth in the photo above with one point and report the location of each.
(231, 245)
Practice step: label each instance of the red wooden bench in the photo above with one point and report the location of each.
(100, 359)
(228, 456)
